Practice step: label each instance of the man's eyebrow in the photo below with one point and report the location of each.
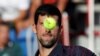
(40, 22)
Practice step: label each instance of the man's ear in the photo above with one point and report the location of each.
(34, 28)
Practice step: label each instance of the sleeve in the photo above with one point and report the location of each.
(24, 4)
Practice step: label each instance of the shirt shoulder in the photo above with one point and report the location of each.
(78, 51)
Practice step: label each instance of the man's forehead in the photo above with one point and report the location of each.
(42, 17)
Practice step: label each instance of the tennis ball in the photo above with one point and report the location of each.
(49, 23)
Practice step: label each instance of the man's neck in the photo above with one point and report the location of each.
(45, 51)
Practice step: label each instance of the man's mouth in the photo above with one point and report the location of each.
(47, 34)
(47, 37)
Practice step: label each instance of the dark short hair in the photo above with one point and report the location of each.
(4, 24)
(47, 10)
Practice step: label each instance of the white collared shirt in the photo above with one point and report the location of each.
(10, 9)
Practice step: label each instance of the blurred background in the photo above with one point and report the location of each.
(19, 15)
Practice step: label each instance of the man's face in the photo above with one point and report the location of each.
(47, 38)
(4, 33)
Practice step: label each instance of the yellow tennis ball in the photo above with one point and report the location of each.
(49, 23)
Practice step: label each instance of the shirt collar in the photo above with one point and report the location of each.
(55, 52)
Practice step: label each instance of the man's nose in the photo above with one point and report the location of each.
(48, 31)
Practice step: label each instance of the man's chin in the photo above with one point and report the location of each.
(48, 44)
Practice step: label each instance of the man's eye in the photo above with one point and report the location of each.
(41, 23)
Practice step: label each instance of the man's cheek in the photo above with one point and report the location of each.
(55, 31)
(38, 28)
(39, 31)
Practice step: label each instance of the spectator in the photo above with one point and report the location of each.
(7, 48)
(13, 9)
(22, 34)
(31, 39)
(15, 30)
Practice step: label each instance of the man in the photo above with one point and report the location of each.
(49, 44)
(7, 48)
